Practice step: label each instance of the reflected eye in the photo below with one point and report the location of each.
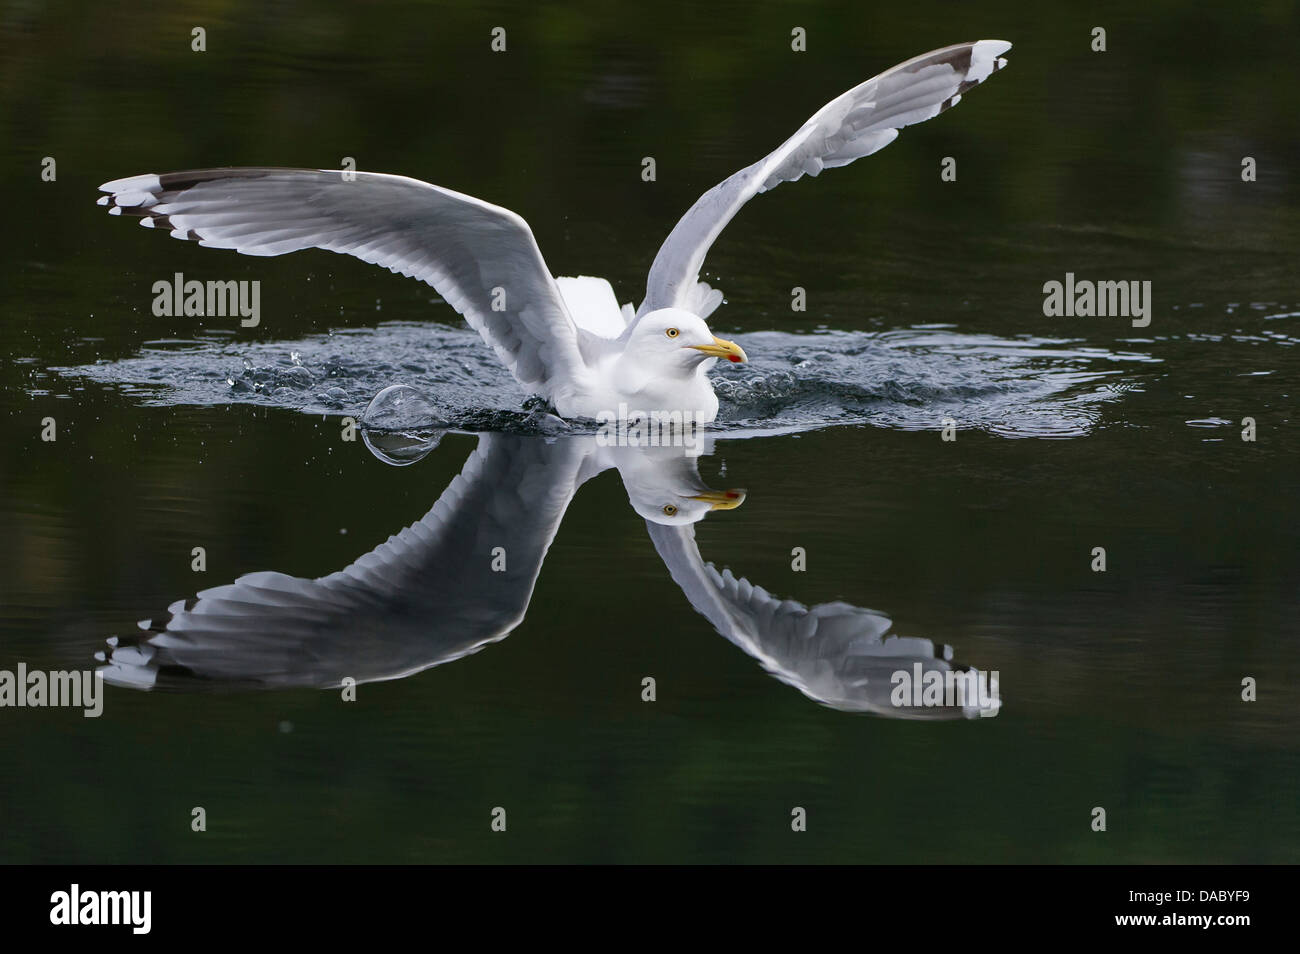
(672, 332)
(669, 509)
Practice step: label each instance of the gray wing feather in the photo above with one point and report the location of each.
(862, 121)
(465, 248)
(834, 653)
(426, 596)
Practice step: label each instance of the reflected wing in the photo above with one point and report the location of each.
(834, 653)
(481, 258)
(862, 121)
(434, 592)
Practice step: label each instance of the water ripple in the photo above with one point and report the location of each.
(909, 379)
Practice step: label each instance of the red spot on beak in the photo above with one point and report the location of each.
(734, 358)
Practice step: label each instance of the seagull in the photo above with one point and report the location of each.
(463, 575)
(566, 340)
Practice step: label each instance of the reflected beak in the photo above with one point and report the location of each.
(721, 499)
(722, 348)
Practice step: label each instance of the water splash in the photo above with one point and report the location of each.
(407, 378)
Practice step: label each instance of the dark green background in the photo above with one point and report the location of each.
(1120, 690)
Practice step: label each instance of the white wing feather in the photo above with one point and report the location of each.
(481, 258)
(862, 121)
(834, 653)
(593, 305)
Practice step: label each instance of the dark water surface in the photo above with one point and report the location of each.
(1120, 689)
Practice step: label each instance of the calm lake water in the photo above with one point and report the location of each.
(523, 689)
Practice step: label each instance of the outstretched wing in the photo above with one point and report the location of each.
(432, 593)
(862, 121)
(481, 258)
(834, 653)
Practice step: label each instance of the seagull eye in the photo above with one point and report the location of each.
(672, 332)
(669, 509)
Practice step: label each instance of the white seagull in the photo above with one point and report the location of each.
(565, 339)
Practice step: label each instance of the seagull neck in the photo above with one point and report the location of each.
(634, 373)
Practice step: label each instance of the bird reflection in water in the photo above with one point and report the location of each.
(462, 576)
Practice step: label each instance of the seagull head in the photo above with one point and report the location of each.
(672, 336)
(679, 510)
(664, 486)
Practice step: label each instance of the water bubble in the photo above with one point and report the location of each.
(400, 426)
(401, 448)
(400, 407)
(297, 376)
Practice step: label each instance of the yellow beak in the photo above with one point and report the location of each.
(722, 348)
(721, 499)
